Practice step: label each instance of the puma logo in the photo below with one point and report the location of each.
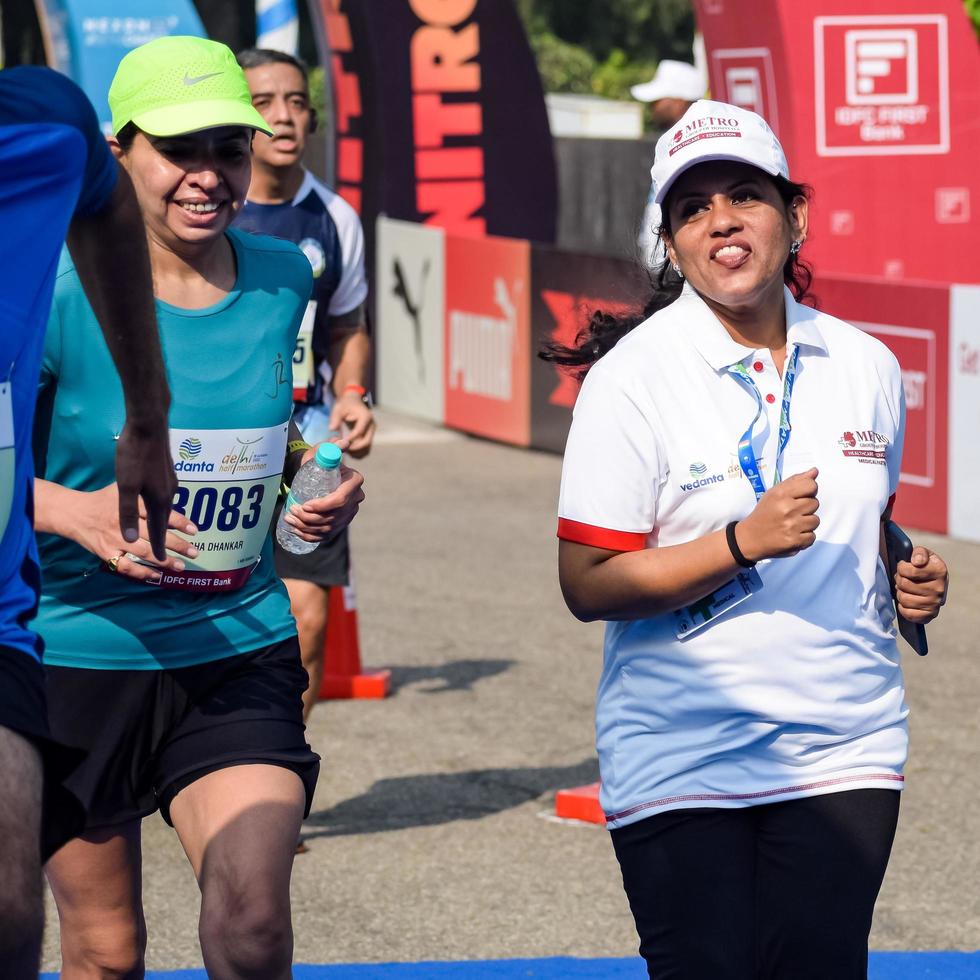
(414, 310)
(194, 79)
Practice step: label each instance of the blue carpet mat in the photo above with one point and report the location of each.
(883, 966)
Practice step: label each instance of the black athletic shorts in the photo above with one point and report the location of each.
(150, 733)
(328, 565)
(23, 709)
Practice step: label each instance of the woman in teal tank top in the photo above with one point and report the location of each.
(182, 680)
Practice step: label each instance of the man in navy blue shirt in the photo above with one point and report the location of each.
(57, 180)
(333, 353)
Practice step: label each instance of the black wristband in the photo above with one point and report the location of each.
(734, 548)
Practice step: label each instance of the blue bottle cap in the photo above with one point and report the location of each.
(328, 455)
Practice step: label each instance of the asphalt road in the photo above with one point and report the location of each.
(431, 836)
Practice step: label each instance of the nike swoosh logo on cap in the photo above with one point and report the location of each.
(188, 80)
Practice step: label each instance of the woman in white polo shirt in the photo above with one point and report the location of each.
(751, 719)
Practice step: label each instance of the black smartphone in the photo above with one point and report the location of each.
(898, 547)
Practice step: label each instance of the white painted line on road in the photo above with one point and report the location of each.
(406, 436)
(551, 818)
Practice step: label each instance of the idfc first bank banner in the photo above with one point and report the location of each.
(86, 39)
(877, 103)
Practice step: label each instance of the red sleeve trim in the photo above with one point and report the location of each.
(601, 537)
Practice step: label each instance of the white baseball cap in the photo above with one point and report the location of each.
(672, 80)
(715, 131)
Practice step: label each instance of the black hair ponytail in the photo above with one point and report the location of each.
(605, 330)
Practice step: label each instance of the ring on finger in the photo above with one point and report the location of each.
(113, 562)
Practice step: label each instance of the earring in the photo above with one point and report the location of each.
(794, 249)
(677, 269)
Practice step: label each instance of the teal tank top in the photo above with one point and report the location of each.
(229, 367)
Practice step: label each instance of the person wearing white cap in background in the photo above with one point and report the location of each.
(751, 716)
(669, 94)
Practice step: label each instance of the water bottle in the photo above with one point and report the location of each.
(317, 478)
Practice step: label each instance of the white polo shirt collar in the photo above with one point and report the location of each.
(714, 343)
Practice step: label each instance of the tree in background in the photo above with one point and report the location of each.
(973, 10)
(604, 48)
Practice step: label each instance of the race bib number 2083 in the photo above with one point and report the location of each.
(228, 485)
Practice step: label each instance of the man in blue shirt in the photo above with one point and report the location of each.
(58, 180)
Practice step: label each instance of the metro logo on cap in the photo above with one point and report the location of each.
(715, 131)
(706, 128)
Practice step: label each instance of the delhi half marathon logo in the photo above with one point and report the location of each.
(242, 458)
(190, 448)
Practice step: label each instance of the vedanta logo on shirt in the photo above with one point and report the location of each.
(697, 471)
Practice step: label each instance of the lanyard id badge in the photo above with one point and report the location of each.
(705, 611)
(699, 614)
(8, 455)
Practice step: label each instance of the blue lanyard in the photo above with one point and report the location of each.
(746, 454)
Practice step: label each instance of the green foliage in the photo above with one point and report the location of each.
(614, 77)
(563, 67)
(318, 92)
(642, 29)
(585, 46)
(973, 12)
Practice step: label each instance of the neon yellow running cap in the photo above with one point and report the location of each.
(176, 85)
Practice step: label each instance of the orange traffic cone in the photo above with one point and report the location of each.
(342, 673)
(580, 803)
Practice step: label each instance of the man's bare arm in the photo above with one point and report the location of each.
(350, 360)
(110, 255)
